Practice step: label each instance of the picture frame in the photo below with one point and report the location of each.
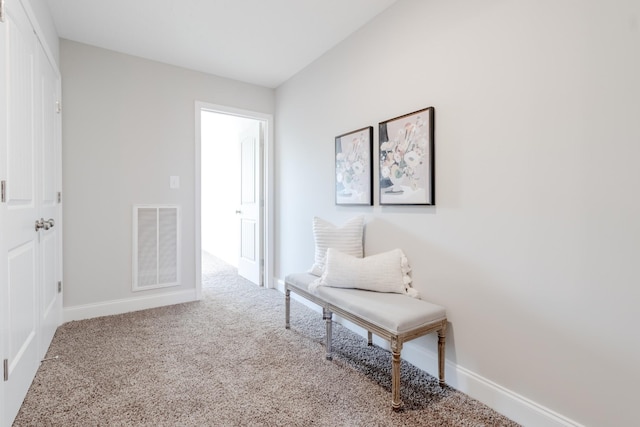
(354, 167)
(407, 159)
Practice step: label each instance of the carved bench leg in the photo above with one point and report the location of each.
(327, 315)
(287, 308)
(396, 348)
(369, 338)
(441, 343)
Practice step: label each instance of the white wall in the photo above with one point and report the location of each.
(533, 246)
(128, 124)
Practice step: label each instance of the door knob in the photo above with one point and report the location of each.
(41, 223)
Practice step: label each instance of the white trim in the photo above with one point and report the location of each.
(507, 402)
(267, 182)
(197, 199)
(109, 308)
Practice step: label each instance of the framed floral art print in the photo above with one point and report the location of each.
(354, 167)
(407, 163)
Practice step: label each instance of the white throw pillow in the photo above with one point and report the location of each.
(385, 272)
(347, 239)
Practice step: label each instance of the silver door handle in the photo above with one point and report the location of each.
(238, 212)
(41, 223)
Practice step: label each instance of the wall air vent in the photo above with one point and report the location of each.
(156, 246)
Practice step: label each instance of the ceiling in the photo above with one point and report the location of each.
(263, 42)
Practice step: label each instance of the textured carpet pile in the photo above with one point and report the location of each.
(227, 360)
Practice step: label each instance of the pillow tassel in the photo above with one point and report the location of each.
(413, 293)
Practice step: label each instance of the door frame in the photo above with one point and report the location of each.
(267, 187)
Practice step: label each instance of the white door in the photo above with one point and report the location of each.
(48, 182)
(30, 169)
(20, 240)
(250, 212)
(4, 306)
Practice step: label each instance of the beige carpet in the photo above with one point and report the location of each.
(228, 361)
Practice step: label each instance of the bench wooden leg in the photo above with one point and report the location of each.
(327, 315)
(287, 308)
(396, 348)
(441, 344)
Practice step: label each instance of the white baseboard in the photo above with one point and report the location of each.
(108, 308)
(507, 402)
(514, 406)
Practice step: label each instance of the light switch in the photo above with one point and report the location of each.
(174, 182)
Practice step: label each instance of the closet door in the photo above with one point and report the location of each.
(3, 262)
(22, 238)
(48, 149)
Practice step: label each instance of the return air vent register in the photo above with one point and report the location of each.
(156, 246)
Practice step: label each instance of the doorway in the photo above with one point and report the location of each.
(233, 191)
(220, 185)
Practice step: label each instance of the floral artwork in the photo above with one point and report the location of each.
(354, 176)
(406, 159)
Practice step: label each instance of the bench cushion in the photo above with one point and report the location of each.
(396, 313)
(300, 280)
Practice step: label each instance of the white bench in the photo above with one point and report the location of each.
(395, 317)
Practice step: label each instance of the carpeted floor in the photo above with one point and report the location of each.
(228, 361)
